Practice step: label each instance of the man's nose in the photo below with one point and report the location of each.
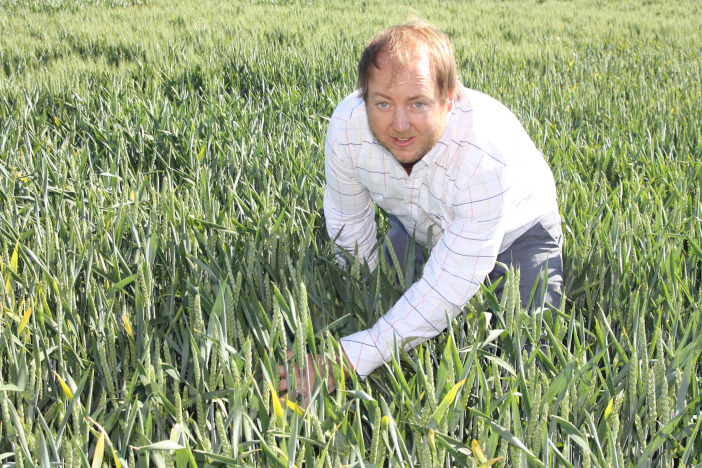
(400, 122)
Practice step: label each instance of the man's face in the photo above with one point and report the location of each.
(405, 111)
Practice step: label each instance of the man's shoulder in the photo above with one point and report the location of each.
(483, 125)
(352, 107)
(482, 105)
(485, 119)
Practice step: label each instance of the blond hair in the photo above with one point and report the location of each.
(404, 43)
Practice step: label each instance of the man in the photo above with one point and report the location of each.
(453, 167)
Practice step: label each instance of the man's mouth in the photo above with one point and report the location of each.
(403, 142)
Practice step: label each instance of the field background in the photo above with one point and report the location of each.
(162, 241)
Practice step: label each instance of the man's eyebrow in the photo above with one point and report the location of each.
(380, 94)
(419, 96)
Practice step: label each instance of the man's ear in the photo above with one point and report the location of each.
(450, 98)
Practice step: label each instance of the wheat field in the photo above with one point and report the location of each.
(162, 240)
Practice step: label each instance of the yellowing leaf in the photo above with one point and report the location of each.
(277, 408)
(24, 321)
(99, 451)
(100, 447)
(127, 325)
(283, 454)
(295, 407)
(489, 462)
(115, 457)
(14, 260)
(480, 456)
(478, 452)
(608, 410)
(432, 439)
(64, 386)
(447, 401)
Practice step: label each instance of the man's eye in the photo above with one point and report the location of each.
(383, 105)
(419, 105)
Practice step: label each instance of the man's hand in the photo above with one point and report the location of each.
(305, 380)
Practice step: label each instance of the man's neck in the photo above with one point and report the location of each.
(408, 167)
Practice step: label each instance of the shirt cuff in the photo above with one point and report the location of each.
(362, 353)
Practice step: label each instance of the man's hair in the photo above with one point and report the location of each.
(403, 43)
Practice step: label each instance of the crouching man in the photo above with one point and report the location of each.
(457, 173)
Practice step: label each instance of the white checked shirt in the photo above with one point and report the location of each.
(477, 190)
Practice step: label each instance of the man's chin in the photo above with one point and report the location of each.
(405, 157)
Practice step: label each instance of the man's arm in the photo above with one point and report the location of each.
(348, 207)
(464, 255)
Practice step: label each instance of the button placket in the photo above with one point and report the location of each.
(413, 189)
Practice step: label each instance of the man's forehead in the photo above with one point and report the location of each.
(394, 72)
(401, 56)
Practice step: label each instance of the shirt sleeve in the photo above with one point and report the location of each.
(348, 207)
(461, 260)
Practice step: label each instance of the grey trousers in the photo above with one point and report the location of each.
(530, 252)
